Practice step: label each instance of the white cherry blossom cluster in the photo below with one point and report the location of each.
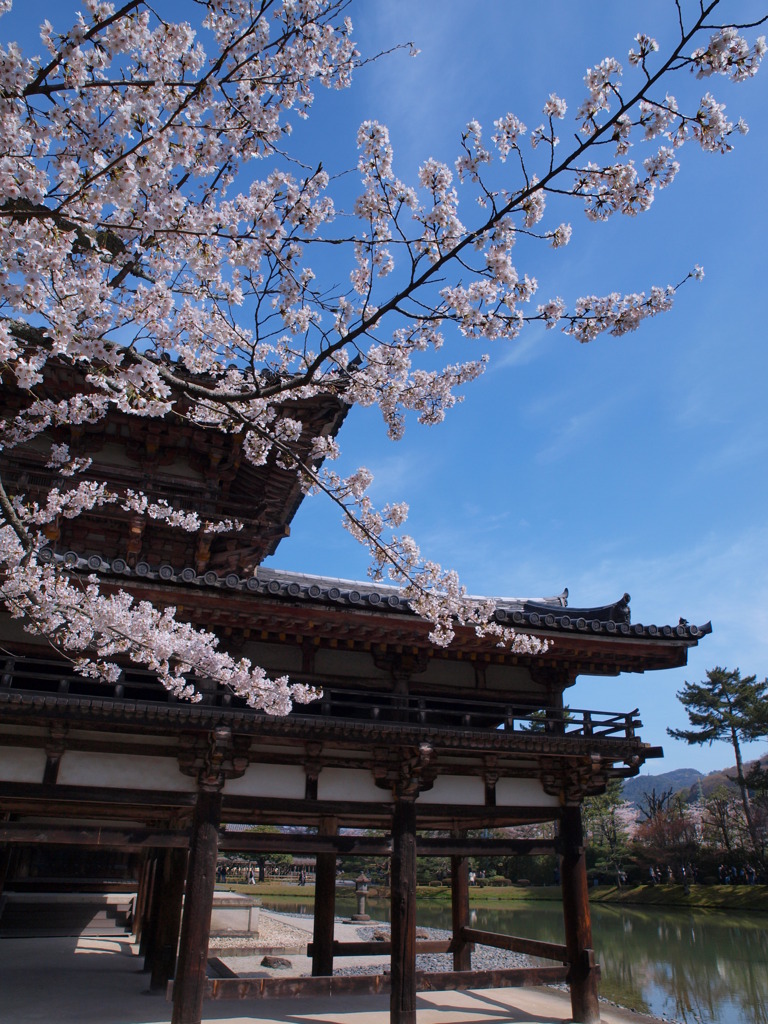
(509, 130)
(617, 314)
(619, 189)
(603, 82)
(728, 53)
(64, 464)
(165, 512)
(433, 593)
(93, 629)
(162, 244)
(646, 45)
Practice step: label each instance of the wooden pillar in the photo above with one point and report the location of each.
(166, 937)
(462, 951)
(582, 976)
(152, 917)
(5, 862)
(148, 896)
(141, 885)
(403, 914)
(189, 986)
(325, 905)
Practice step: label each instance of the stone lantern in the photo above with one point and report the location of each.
(361, 891)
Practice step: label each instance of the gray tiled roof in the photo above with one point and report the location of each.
(540, 614)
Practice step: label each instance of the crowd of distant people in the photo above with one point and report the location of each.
(247, 874)
(726, 875)
(746, 875)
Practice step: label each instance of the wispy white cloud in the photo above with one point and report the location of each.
(579, 429)
(520, 352)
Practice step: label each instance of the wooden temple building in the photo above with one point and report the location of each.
(429, 747)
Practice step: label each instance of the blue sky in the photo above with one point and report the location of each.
(633, 464)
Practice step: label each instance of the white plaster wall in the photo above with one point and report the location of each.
(350, 784)
(466, 790)
(285, 781)
(523, 793)
(82, 768)
(21, 764)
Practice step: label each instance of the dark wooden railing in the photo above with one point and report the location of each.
(40, 676)
(229, 987)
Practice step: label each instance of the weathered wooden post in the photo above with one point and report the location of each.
(152, 910)
(403, 913)
(5, 861)
(189, 986)
(141, 885)
(166, 939)
(582, 976)
(325, 905)
(462, 952)
(144, 901)
(212, 762)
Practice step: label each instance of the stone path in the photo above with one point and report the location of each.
(91, 980)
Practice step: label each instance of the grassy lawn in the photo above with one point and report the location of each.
(716, 897)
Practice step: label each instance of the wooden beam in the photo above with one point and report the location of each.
(451, 847)
(378, 984)
(95, 794)
(287, 842)
(130, 838)
(295, 988)
(373, 846)
(274, 810)
(114, 802)
(511, 977)
(384, 947)
(547, 950)
(113, 836)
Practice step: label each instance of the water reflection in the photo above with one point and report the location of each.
(692, 967)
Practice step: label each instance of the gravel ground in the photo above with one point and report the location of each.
(272, 935)
(278, 936)
(275, 934)
(484, 958)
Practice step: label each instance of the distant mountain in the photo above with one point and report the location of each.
(692, 783)
(682, 778)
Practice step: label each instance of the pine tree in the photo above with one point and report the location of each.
(727, 707)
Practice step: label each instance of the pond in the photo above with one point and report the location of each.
(695, 967)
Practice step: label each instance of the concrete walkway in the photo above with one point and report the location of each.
(93, 980)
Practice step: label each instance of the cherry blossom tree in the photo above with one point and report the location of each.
(162, 230)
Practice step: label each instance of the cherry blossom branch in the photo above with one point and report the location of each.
(138, 243)
(90, 629)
